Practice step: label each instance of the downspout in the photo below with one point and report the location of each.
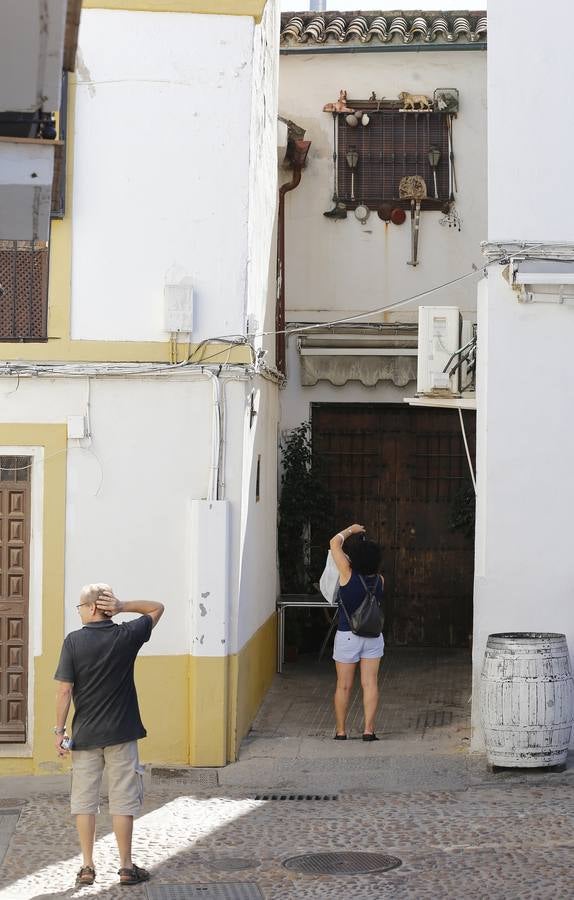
(216, 438)
(298, 156)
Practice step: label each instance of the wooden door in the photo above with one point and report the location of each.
(402, 471)
(14, 581)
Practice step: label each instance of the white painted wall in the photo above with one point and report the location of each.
(525, 442)
(530, 73)
(345, 267)
(525, 447)
(129, 494)
(262, 167)
(161, 171)
(258, 587)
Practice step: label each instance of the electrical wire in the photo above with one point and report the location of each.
(112, 370)
(472, 475)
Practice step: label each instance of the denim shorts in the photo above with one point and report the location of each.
(350, 648)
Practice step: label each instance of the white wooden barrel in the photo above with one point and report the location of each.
(527, 699)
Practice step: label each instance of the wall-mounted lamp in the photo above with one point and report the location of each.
(352, 160)
(434, 159)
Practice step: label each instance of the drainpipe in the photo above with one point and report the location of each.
(216, 438)
(298, 156)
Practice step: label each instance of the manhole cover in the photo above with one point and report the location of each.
(342, 863)
(231, 891)
(232, 864)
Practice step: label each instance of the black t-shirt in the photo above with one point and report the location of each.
(98, 660)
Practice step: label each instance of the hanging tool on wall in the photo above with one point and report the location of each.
(452, 185)
(413, 188)
(352, 161)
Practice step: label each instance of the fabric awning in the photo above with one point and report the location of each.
(367, 354)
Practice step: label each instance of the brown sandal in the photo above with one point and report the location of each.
(86, 875)
(135, 875)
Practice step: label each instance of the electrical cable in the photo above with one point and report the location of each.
(106, 369)
(472, 475)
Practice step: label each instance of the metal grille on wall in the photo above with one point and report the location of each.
(393, 145)
(23, 290)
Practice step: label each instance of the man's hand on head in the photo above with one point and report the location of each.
(108, 603)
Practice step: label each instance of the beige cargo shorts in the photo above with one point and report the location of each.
(125, 779)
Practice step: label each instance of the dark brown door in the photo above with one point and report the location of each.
(14, 580)
(402, 471)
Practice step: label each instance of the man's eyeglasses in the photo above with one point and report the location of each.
(85, 603)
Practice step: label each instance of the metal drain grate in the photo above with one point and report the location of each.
(232, 891)
(295, 797)
(433, 718)
(346, 863)
(197, 777)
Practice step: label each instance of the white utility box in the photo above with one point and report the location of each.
(178, 308)
(440, 329)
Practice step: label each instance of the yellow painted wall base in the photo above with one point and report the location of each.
(196, 709)
(208, 694)
(162, 685)
(251, 672)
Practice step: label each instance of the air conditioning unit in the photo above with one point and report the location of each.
(440, 335)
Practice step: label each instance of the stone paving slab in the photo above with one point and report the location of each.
(513, 841)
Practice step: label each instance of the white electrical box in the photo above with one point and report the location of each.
(76, 427)
(178, 308)
(439, 338)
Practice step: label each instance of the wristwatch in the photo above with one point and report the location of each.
(59, 730)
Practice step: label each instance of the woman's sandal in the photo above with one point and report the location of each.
(86, 875)
(340, 737)
(370, 736)
(135, 875)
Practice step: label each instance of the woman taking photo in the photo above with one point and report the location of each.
(357, 564)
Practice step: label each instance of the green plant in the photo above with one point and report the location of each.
(303, 502)
(463, 511)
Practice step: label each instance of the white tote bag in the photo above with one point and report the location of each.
(329, 581)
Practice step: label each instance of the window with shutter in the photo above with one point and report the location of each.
(23, 290)
(393, 145)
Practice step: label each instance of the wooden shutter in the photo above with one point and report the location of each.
(14, 583)
(23, 290)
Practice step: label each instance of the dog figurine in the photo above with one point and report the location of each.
(340, 106)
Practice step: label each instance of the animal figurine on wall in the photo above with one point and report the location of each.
(340, 105)
(415, 102)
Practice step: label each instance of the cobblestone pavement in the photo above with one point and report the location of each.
(423, 691)
(513, 841)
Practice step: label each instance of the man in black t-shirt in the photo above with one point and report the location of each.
(96, 670)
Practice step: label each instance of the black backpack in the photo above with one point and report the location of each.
(367, 620)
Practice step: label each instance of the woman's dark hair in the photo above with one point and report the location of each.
(365, 556)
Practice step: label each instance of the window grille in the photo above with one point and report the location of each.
(23, 290)
(394, 144)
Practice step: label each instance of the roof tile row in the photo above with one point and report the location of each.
(313, 28)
